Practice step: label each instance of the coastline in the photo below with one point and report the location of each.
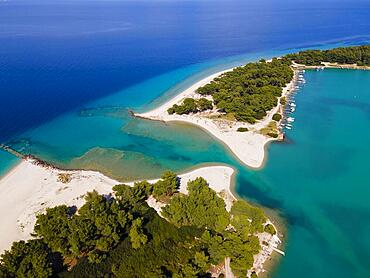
(34, 186)
(328, 65)
(280, 224)
(248, 147)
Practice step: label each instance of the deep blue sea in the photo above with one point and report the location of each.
(71, 70)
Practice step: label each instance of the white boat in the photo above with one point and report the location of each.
(290, 119)
(293, 104)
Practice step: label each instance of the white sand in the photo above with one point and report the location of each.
(249, 146)
(29, 189)
(269, 244)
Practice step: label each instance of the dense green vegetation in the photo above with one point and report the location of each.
(282, 100)
(200, 208)
(276, 117)
(248, 92)
(242, 129)
(166, 186)
(121, 236)
(245, 93)
(29, 259)
(190, 105)
(359, 55)
(270, 229)
(270, 130)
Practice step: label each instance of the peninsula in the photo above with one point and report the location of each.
(84, 224)
(243, 107)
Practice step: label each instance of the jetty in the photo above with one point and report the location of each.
(12, 151)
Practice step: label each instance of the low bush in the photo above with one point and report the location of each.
(270, 229)
(242, 129)
(276, 117)
(273, 134)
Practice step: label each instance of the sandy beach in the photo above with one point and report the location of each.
(28, 189)
(248, 147)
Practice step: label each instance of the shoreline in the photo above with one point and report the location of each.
(328, 65)
(248, 147)
(34, 186)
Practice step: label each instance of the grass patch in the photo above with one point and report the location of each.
(270, 130)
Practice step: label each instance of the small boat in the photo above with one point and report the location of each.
(290, 119)
(293, 104)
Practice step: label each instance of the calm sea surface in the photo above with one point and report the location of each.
(70, 70)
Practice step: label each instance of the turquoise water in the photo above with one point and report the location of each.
(65, 63)
(317, 180)
(7, 162)
(103, 136)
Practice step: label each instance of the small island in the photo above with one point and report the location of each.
(243, 107)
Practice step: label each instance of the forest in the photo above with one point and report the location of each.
(190, 105)
(117, 235)
(245, 93)
(359, 55)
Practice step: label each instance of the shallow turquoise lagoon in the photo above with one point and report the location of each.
(7, 161)
(318, 180)
(103, 136)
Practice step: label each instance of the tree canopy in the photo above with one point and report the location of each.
(359, 55)
(245, 93)
(115, 235)
(166, 186)
(190, 105)
(31, 259)
(201, 207)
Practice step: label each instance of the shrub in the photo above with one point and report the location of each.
(204, 104)
(242, 129)
(64, 177)
(273, 134)
(283, 101)
(188, 106)
(166, 186)
(270, 229)
(276, 117)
